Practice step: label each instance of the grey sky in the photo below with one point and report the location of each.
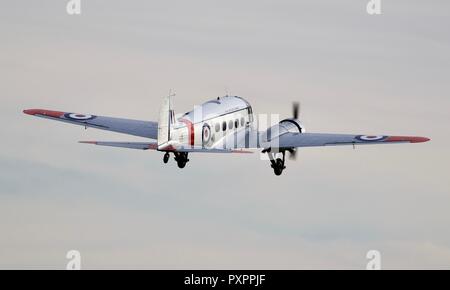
(353, 73)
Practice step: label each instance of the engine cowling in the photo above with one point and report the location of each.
(285, 126)
(292, 126)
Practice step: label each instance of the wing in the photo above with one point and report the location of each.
(154, 146)
(249, 138)
(146, 129)
(131, 145)
(292, 140)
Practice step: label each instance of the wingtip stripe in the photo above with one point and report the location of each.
(411, 139)
(33, 112)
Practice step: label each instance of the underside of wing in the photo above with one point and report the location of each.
(293, 140)
(154, 146)
(145, 129)
(130, 145)
(212, 150)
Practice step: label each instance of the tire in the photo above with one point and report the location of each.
(280, 164)
(278, 169)
(181, 164)
(166, 157)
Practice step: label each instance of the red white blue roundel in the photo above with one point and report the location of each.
(206, 134)
(79, 117)
(371, 137)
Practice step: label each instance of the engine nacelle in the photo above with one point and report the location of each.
(292, 126)
(285, 126)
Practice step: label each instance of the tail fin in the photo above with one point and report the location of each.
(166, 120)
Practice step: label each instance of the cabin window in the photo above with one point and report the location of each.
(217, 127)
(236, 123)
(230, 125)
(250, 114)
(224, 126)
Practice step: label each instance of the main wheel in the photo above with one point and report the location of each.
(278, 168)
(181, 164)
(166, 157)
(280, 163)
(277, 171)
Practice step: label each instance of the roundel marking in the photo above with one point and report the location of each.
(206, 134)
(79, 117)
(371, 137)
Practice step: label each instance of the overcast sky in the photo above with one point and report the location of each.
(352, 72)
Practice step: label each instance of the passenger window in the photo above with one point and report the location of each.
(236, 123)
(217, 127)
(230, 125)
(224, 126)
(250, 114)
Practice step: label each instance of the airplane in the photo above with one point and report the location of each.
(222, 125)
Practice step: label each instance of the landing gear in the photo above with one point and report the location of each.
(166, 157)
(276, 163)
(181, 158)
(278, 166)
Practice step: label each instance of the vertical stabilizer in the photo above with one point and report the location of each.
(164, 122)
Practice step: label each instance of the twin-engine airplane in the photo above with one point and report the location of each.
(222, 125)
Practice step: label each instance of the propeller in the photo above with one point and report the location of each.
(295, 109)
(293, 154)
(295, 115)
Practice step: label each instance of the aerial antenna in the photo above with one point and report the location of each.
(172, 94)
(227, 91)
